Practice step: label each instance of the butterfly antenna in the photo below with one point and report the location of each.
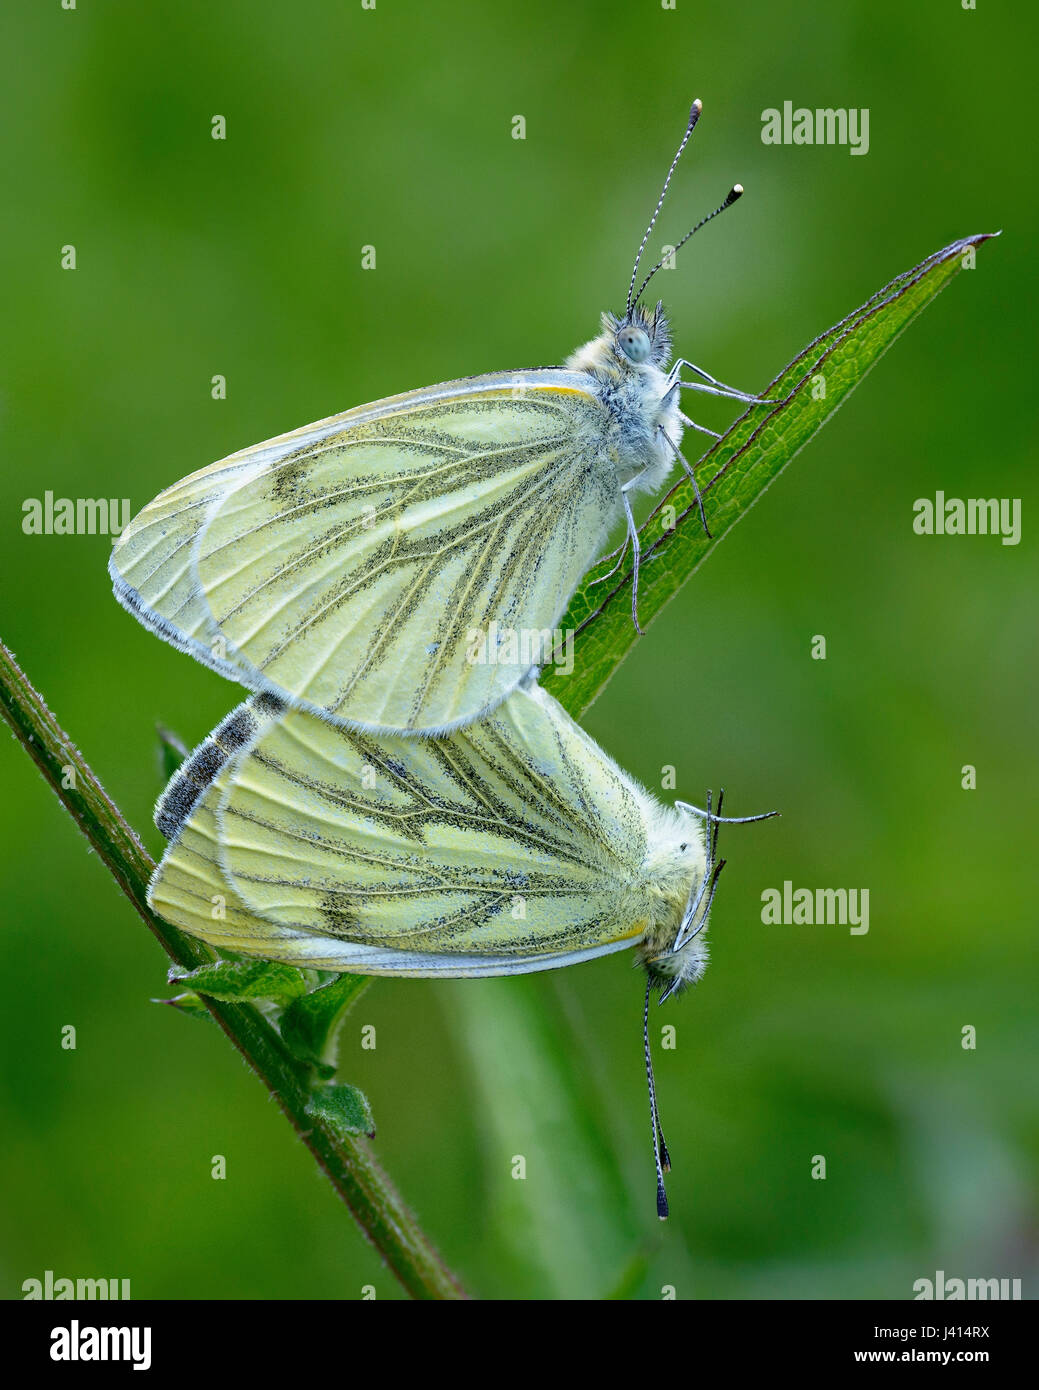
(717, 824)
(715, 820)
(733, 195)
(661, 1157)
(694, 116)
(712, 887)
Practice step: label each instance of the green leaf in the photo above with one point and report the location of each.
(310, 1025)
(234, 981)
(344, 1108)
(189, 1004)
(738, 469)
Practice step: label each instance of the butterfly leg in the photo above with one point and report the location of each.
(689, 927)
(714, 387)
(621, 550)
(692, 478)
(694, 426)
(636, 551)
(728, 395)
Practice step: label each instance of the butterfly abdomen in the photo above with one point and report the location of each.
(198, 772)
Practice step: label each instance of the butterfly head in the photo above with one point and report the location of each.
(642, 338)
(675, 871)
(637, 346)
(683, 871)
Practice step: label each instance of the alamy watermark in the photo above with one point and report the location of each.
(60, 1288)
(971, 516)
(985, 1290)
(505, 646)
(820, 907)
(75, 516)
(802, 125)
(81, 1342)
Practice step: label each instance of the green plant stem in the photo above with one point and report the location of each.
(348, 1162)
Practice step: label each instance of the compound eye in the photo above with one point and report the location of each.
(634, 343)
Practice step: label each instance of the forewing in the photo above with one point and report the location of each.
(152, 562)
(363, 576)
(357, 566)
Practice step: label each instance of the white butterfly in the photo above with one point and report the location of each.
(355, 566)
(512, 845)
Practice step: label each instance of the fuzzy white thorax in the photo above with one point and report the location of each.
(638, 395)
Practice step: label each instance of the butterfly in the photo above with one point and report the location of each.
(515, 844)
(401, 566)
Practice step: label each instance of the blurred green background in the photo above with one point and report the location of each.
(242, 257)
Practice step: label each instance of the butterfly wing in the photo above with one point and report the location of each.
(359, 566)
(512, 845)
(152, 564)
